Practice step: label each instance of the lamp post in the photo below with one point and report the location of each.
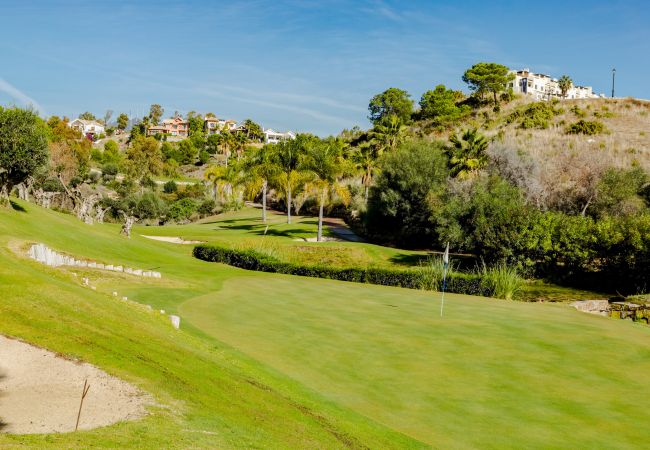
(613, 79)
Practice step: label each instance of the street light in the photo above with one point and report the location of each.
(613, 79)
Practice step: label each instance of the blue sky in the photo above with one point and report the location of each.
(305, 65)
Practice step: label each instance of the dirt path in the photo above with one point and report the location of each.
(40, 393)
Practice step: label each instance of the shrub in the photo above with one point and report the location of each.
(587, 127)
(207, 207)
(502, 280)
(182, 209)
(431, 273)
(110, 169)
(204, 157)
(170, 187)
(534, 116)
(53, 185)
(459, 283)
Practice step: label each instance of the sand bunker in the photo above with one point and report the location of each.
(40, 393)
(315, 239)
(173, 240)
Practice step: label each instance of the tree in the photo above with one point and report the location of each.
(484, 78)
(224, 180)
(122, 121)
(23, 147)
(195, 123)
(440, 104)
(87, 116)
(111, 152)
(254, 131)
(287, 156)
(155, 113)
(406, 192)
(389, 133)
(364, 157)
(63, 163)
(564, 83)
(260, 170)
(107, 116)
(467, 154)
(144, 158)
(324, 159)
(391, 102)
(187, 151)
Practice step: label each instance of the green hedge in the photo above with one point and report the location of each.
(459, 283)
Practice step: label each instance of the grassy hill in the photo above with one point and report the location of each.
(272, 361)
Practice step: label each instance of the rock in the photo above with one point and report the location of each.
(600, 307)
(176, 321)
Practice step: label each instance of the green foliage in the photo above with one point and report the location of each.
(575, 109)
(170, 187)
(407, 190)
(431, 273)
(484, 78)
(122, 121)
(181, 210)
(467, 154)
(204, 157)
(392, 101)
(564, 83)
(254, 131)
(502, 280)
(187, 152)
(87, 116)
(207, 207)
(440, 106)
(110, 169)
(620, 192)
(586, 127)
(195, 124)
(536, 115)
(23, 147)
(144, 158)
(155, 113)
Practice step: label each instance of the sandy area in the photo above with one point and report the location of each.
(315, 239)
(173, 240)
(40, 393)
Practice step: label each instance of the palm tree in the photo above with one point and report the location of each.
(226, 142)
(239, 142)
(564, 83)
(364, 158)
(389, 133)
(224, 180)
(287, 157)
(467, 155)
(325, 161)
(260, 169)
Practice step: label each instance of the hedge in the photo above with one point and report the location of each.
(459, 283)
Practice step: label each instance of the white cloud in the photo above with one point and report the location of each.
(19, 96)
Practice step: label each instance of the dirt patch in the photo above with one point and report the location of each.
(173, 240)
(40, 393)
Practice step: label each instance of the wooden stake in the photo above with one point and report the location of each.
(84, 392)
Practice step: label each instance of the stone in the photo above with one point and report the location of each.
(114, 294)
(93, 288)
(600, 307)
(92, 265)
(118, 269)
(176, 321)
(125, 298)
(128, 270)
(100, 266)
(109, 267)
(137, 272)
(162, 311)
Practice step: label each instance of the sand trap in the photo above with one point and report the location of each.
(173, 240)
(315, 239)
(40, 393)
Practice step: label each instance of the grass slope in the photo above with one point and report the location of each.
(283, 362)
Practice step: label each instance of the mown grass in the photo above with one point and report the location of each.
(275, 361)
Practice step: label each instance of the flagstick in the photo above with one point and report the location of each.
(444, 285)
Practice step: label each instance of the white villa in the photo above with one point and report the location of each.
(543, 87)
(273, 137)
(89, 128)
(213, 125)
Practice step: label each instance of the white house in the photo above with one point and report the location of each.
(89, 128)
(543, 87)
(273, 137)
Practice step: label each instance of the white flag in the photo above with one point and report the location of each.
(445, 257)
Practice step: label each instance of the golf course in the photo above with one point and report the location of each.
(279, 361)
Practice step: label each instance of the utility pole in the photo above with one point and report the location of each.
(613, 79)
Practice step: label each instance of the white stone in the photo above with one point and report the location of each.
(125, 298)
(93, 288)
(162, 311)
(137, 272)
(118, 269)
(128, 270)
(100, 266)
(176, 321)
(92, 265)
(114, 294)
(109, 267)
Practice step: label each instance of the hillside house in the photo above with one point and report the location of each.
(176, 126)
(273, 137)
(543, 87)
(88, 128)
(213, 125)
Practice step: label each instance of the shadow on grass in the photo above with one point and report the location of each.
(406, 259)
(294, 232)
(16, 206)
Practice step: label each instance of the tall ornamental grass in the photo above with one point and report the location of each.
(501, 280)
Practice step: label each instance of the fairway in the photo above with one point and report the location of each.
(266, 360)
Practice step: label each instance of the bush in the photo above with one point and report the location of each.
(460, 283)
(503, 281)
(207, 207)
(587, 127)
(110, 169)
(182, 209)
(537, 115)
(170, 187)
(204, 157)
(53, 185)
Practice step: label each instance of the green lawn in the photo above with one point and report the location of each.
(265, 360)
